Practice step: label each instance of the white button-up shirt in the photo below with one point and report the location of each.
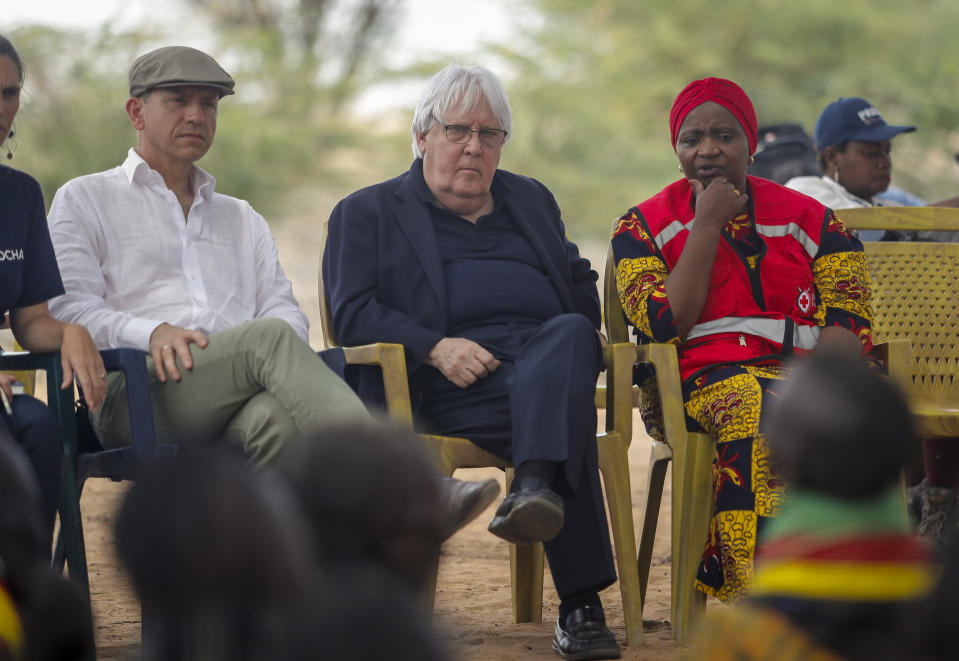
(130, 261)
(829, 192)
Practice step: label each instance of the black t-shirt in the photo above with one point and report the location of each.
(28, 265)
(495, 282)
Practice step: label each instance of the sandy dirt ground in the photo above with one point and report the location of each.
(473, 605)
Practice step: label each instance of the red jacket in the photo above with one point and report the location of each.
(771, 310)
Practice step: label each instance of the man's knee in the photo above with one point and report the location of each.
(36, 420)
(267, 331)
(262, 342)
(577, 329)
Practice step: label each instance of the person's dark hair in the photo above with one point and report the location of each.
(930, 623)
(218, 557)
(362, 612)
(23, 543)
(372, 496)
(838, 427)
(6, 48)
(207, 528)
(57, 622)
(54, 611)
(821, 155)
(784, 151)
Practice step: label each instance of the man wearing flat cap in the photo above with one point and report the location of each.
(153, 258)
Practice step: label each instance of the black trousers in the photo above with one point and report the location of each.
(34, 428)
(539, 404)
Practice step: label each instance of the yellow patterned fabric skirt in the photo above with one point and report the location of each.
(749, 633)
(727, 403)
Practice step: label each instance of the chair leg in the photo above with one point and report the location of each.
(71, 529)
(526, 566)
(59, 552)
(428, 597)
(658, 462)
(614, 463)
(904, 496)
(59, 559)
(692, 508)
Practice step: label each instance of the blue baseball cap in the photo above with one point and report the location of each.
(853, 119)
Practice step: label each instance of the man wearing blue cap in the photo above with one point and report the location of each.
(854, 144)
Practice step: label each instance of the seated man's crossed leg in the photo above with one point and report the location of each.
(257, 385)
(538, 410)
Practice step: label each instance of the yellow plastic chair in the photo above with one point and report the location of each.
(692, 455)
(527, 561)
(28, 378)
(915, 289)
(692, 481)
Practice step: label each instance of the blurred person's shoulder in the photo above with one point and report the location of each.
(808, 184)
(827, 192)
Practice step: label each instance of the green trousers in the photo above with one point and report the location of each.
(256, 385)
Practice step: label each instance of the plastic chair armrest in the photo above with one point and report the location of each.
(60, 401)
(391, 358)
(664, 359)
(895, 355)
(619, 359)
(132, 362)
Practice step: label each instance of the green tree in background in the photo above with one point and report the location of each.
(591, 84)
(594, 82)
(284, 129)
(71, 118)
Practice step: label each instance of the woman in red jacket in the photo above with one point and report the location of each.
(740, 273)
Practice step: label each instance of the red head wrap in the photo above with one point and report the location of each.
(718, 90)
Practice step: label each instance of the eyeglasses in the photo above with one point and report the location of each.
(458, 134)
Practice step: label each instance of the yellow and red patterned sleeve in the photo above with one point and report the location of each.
(842, 282)
(640, 280)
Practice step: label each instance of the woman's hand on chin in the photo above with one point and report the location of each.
(717, 203)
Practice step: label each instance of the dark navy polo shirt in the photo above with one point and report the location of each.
(28, 265)
(494, 279)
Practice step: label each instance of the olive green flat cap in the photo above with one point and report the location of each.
(174, 66)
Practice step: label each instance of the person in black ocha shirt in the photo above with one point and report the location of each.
(28, 279)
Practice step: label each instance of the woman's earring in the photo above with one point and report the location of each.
(679, 167)
(9, 148)
(751, 160)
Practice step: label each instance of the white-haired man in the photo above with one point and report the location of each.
(469, 268)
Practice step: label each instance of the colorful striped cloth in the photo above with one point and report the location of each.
(11, 628)
(832, 578)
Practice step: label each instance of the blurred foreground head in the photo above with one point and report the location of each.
(45, 617)
(22, 538)
(362, 613)
(372, 497)
(217, 555)
(839, 428)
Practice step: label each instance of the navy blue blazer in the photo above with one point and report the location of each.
(383, 273)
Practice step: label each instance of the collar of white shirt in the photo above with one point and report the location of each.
(140, 173)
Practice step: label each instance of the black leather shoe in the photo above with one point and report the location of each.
(465, 501)
(534, 513)
(585, 636)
